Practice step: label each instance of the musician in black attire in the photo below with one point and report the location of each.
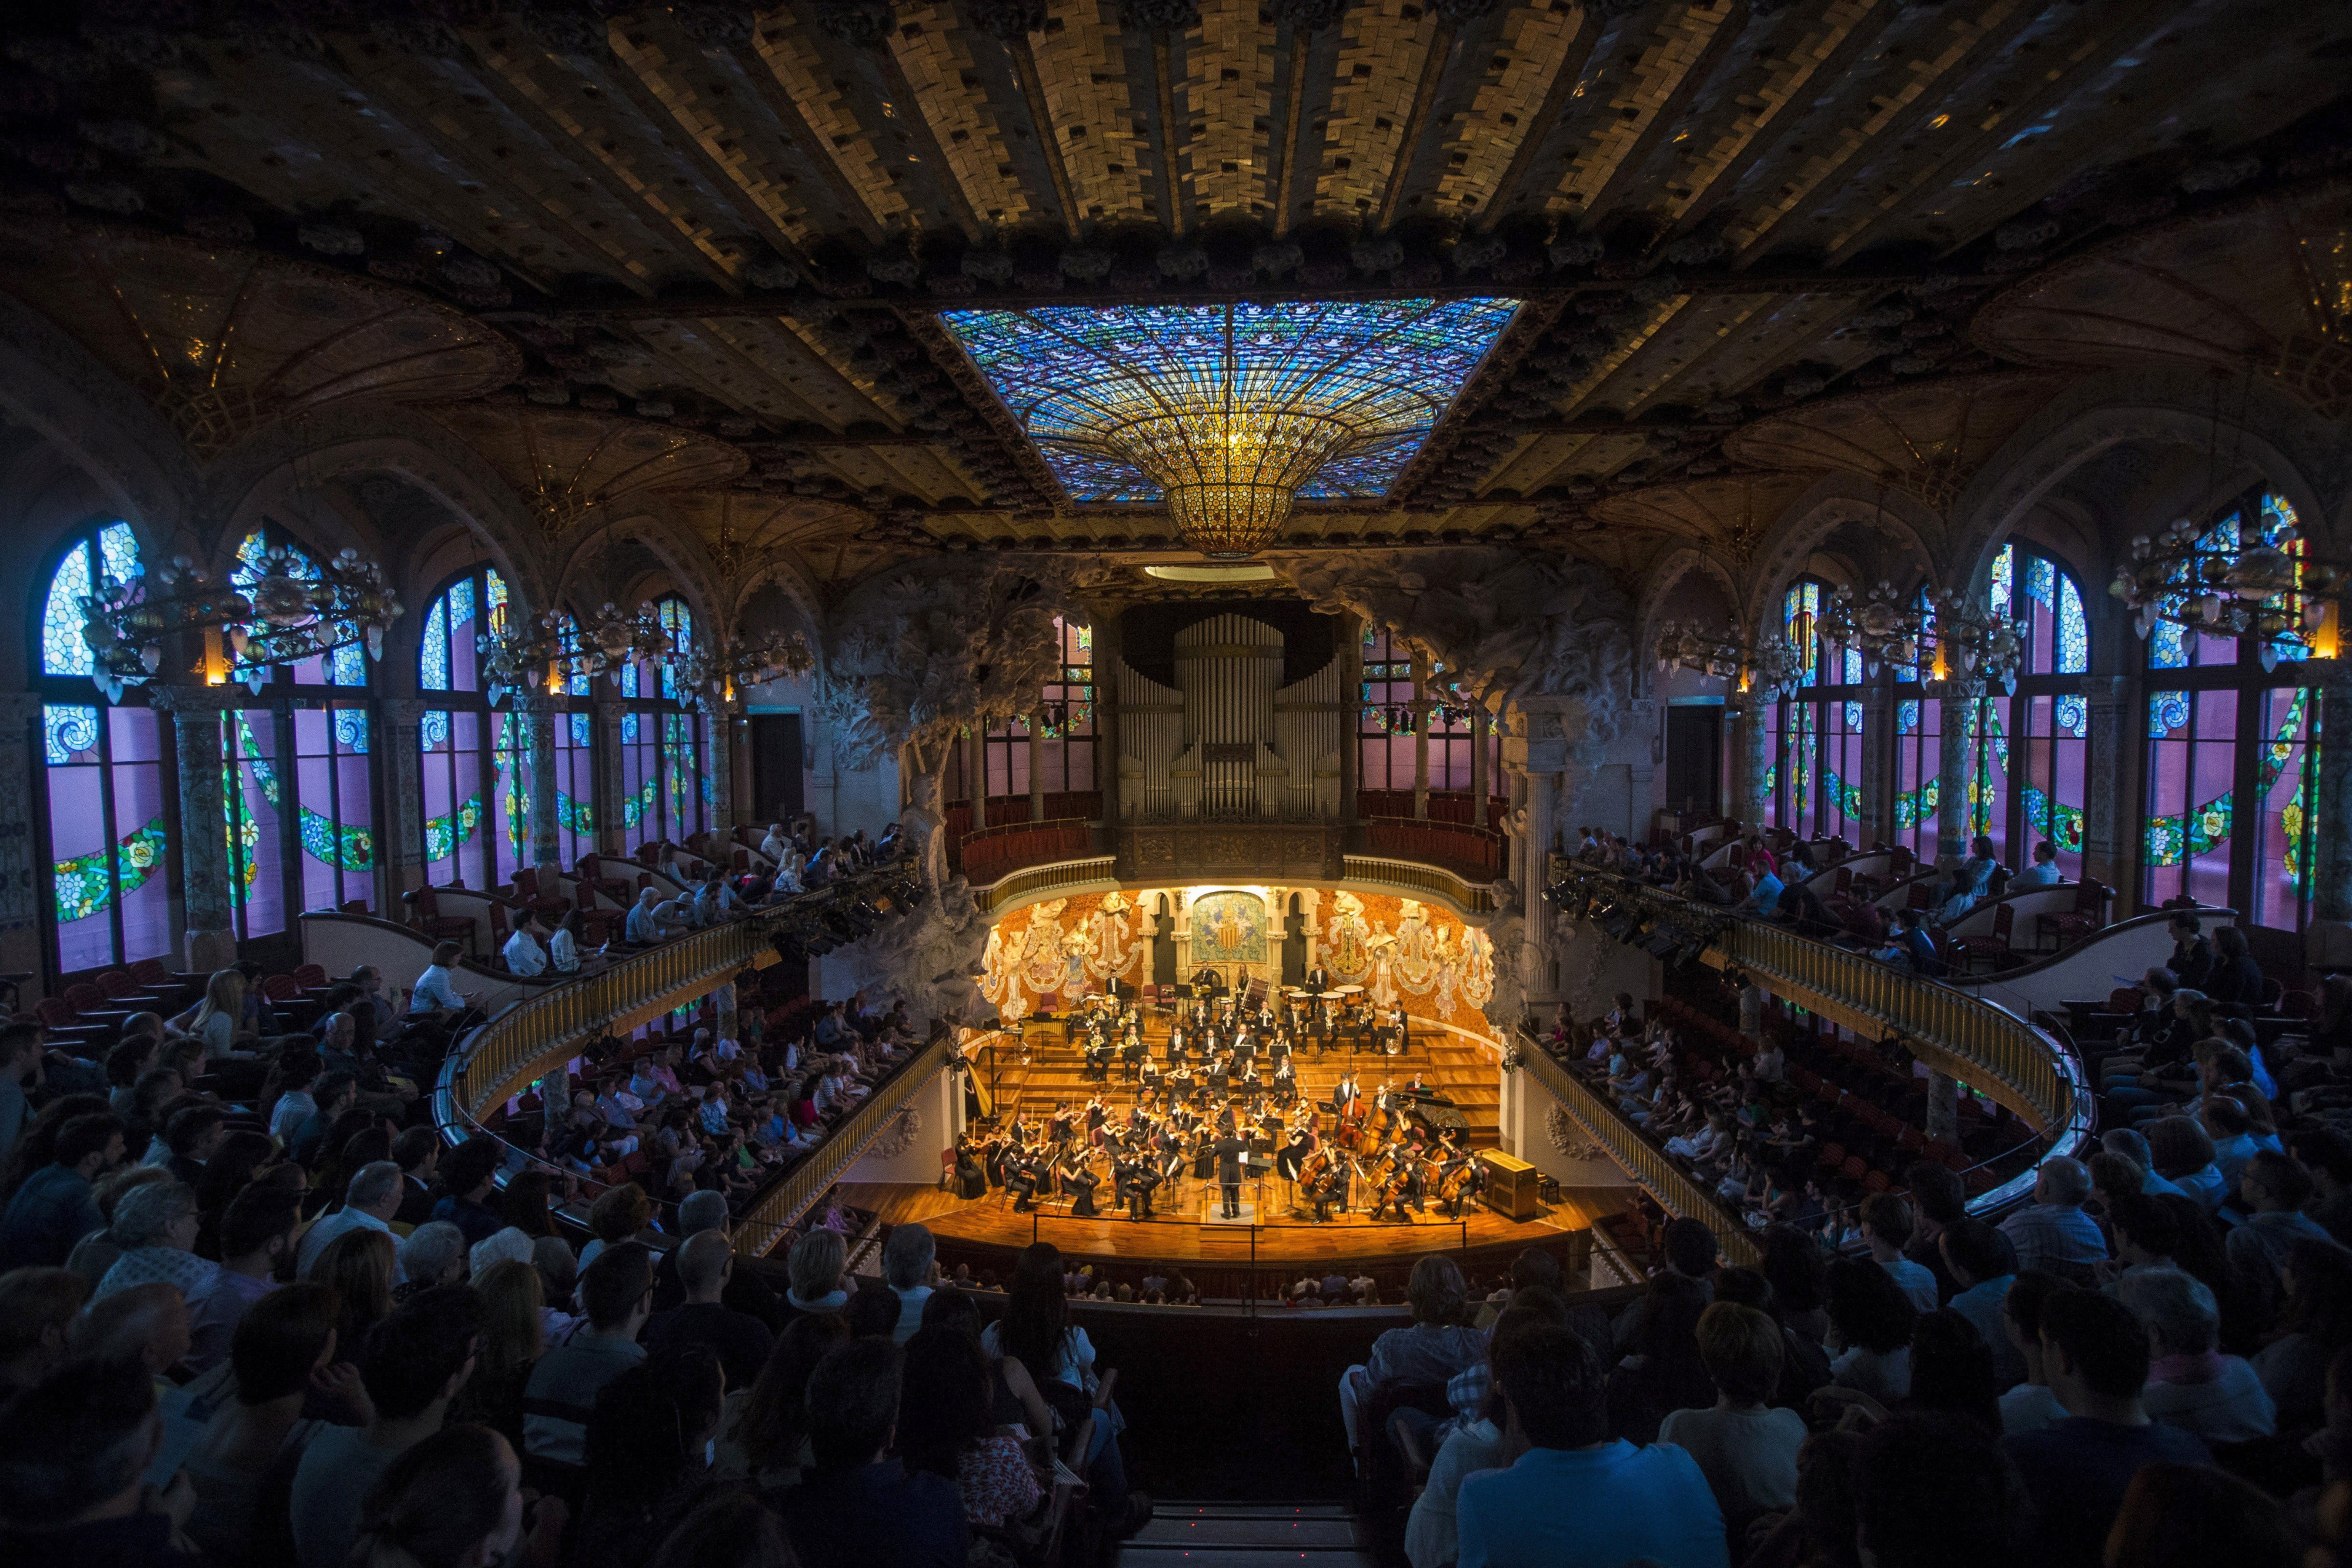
(1207, 982)
(1022, 1178)
(970, 1179)
(1293, 1155)
(1229, 1151)
(1318, 979)
(1082, 1182)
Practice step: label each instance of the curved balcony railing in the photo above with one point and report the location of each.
(774, 1211)
(990, 853)
(1475, 851)
(1677, 1192)
(1979, 1042)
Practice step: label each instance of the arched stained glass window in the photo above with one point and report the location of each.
(665, 796)
(1817, 740)
(110, 547)
(2030, 750)
(102, 822)
(476, 802)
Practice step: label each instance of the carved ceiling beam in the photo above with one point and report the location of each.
(1668, 120)
(1424, 93)
(1547, 118)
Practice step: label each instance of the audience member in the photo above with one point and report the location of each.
(1747, 1450)
(860, 1507)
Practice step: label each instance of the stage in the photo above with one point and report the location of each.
(990, 1223)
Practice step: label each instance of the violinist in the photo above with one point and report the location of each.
(1079, 1180)
(1063, 1127)
(971, 1178)
(1096, 1113)
(1293, 1154)
(1021, 1178)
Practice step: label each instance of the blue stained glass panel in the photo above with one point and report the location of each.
(63, 652)
(434, 670)
(2073, 715)
(2004, 570)
(1852, 717)
(2166, 711)
(2074, 628)
(434, 730)
(118, 547)
(584, 729)
(67, 731)
(351, 728)
(1906, 718)
(1072, 374)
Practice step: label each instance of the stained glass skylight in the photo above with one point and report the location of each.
(1365, 380)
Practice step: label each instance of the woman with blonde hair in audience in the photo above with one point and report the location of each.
(514, 1300)
(814, 1270)
(359, 1265)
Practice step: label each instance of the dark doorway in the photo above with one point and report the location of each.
(1695, 760)
(1163, 944)
(1293, 945)
(775, 767)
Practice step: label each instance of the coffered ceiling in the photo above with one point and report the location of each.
(701, 249)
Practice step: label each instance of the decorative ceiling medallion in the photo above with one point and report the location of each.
(1230, 413)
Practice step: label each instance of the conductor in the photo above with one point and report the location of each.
(1318, 979)
(1229, 1173)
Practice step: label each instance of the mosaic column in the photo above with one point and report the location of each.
(1953, 755)
(2112, 822)
(2329, 939)
(23, 885)
(400, 824)
(1751, 759)
(1943, 1109)
(209, 914)
(535, 715)
(719, 720)
(1877, 823)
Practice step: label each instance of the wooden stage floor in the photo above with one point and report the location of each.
(1185, 1237)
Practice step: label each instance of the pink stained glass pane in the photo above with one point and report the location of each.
(576, 786)
(510, 803)
(138, 783)
(2282, 875)
(2213, 770)
(258, 858)
(314, 786)
(1988, 776)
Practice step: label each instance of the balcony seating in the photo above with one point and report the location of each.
(1992, 946)
(550, 907)
(2088, 915)
(426, 915)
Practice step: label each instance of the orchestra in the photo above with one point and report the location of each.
(1227, 1109)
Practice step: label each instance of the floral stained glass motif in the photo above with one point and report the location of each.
(2065, 829)
(83, 885)
(676, 620)
(1800, 615)
(1906, 718)
(350, 846)
(2202, 828)
(1913, 807)
(1078, 378)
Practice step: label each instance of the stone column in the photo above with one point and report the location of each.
(1037, 766)
(975, 773)
(1108, 654)
(612, 786)
(1352, 718)
(210, 919)
(1877, 750)
(1478, 734)
(535, 715)
(2329, 939)
(400, 821)
(1943, 1109)
(24, 882)
(1954, 754)
(2112, 820)
(1421, 717)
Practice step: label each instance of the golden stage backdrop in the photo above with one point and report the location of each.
(1398, 949)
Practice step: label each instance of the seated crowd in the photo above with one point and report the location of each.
(1767, 875)
(423, 1403)
(2091, 1382)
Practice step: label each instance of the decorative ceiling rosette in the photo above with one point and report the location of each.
(566, 464)
(225, 340)
(2265, 285)
(1922, 440)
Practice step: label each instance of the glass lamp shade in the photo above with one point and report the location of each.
(1231, 471)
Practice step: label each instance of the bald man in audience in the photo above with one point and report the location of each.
(742, 1341)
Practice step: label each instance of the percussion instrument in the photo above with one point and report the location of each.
(1348, 990)
(1327, 996)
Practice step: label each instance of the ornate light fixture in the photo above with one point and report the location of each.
(548, 653)
(291, 611)
(1887, 631)
(1763, 673)
(743, 664)
(2209, 583)
(1230, 413)
(1949, 637)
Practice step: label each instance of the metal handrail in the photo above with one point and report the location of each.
(776, 1210)
(1667, 1182)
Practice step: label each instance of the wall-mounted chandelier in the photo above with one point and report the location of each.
(291, 610)
(738, 665)
(2209, 583)
(1760, 674)
(1948, 637)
